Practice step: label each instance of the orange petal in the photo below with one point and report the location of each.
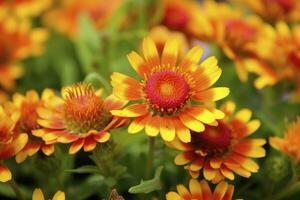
(138, 64)
(191, 58)
(113, 103)
(167, 129)
(229, 193)
(227, 173)
(89, 144)
(152, 126)
(138, 124)
(76, 146)
(184, 158)
(150, 53)
(53, 124)
(169, 56)
(173, 196)
(220, 191)
(251, 148)
(11, 149)
(197, 164)
(182, 132)
(212, 94)
(134, 110)
(5, 174)
(48, 149)
(102, 137)
(208, 172)
(201, 113)
(191, 122)
(125, 87)
(195, 189)
(183, 192)
(206, 190)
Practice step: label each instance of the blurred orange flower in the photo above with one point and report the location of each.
(169, 96)
(38, 195)
(27, 107)
(80, 117)
(10, 142)
(201, 190)
(289, 144)
(224, 149)
(68, 12)
(17, 41)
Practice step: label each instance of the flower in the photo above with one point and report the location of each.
(27, 107)
(99, 11)
(38, 195)
(17, 41)
(10, 142)
(80, 117)
(275, 10)
(169, 93)
(290, 143)
(160, 34)
(201, 190)
(24, 8)
(185, 16)
(223, 150)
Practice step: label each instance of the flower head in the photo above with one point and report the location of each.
(201, 190)
(80, 117)
(290, 143)
(27, 106)
(38, 195)
(10, 142)
(223, 150)
(169, 96)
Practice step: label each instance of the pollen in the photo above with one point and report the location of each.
(166, 91)
(84, 110)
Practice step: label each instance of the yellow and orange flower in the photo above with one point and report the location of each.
(160, 35)
(185, 16)
(223, 150)
(80, 117)
(274, 10)
(10, 142)
(169, 96)
(201, 191)
(38, 195)
(100, 12)
(278, 56)
(24, 8)
(17, 41)
(27, 107)
(290, 143)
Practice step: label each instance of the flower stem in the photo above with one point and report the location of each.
(150, 157)
(16, 189)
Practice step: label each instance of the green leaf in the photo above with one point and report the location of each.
(87, 169)
(149, 185)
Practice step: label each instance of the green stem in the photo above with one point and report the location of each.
(16, 189)
(150, 157)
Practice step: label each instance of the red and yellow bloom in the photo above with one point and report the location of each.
(27, 107)
(80, 117)
(290, 143)
(164, 98)
(223, 150)
(201, 191)
(10, 142)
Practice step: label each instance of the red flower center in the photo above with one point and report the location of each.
(294, 57)
(213, 138)
(175, 17)
(167, 91)
(238, 32)
(84, 111)
(29, 116)
(286, 5)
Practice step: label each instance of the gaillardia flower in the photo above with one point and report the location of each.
(80, 117)
(201, 191)
(27, 106)
(290, 143)
(10, 142)
(170, 94)
(38, 195)
(223, 150)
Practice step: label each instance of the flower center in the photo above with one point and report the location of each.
(29, 116)
(239, 32)
(166, 91)
(213, 138)
(294, 57)
(286, 5)
(84, 111)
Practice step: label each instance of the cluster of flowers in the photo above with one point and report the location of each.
(173, 97)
